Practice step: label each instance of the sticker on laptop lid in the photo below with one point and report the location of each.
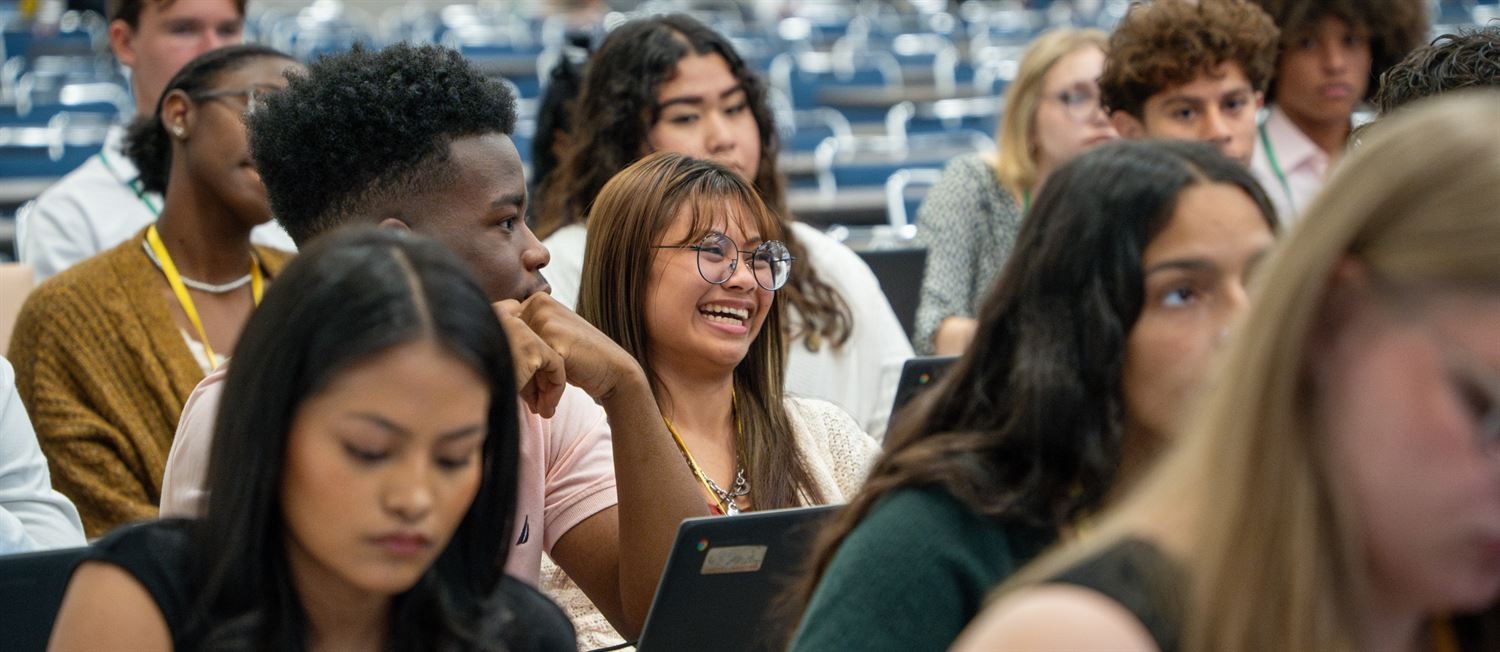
(733, 559)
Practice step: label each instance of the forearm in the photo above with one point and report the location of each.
(953, 335)
(946, 280)
(656, 492)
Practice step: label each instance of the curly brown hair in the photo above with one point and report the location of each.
(1170, 42)
(1395, 27)
(1470, 58)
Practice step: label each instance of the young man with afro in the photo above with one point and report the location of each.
(1190, 70)
(417, 138)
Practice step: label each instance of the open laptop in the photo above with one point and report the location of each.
(724, 575)
(917, 375)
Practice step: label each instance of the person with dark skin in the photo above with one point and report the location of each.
(438, 160)
(103, 202)
(107, 352)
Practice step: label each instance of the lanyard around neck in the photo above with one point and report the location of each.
(1286, 188)
(174, 279)
(134, 185)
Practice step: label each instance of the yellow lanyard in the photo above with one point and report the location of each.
(697, 471)
(175, 280)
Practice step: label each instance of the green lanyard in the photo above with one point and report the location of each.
(134, 185)
(1025, 202)
(1286, 188)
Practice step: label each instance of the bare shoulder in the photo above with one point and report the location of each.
(105, 607)
(1056, 617)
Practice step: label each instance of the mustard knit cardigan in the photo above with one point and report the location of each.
(103, 371)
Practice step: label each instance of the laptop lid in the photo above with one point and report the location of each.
(899, 272)
(917, 375)
(723, 576)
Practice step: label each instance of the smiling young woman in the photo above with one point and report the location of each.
(672, 84)
(686, 268)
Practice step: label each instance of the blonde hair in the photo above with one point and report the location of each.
(1015, 164)
(1270, 544)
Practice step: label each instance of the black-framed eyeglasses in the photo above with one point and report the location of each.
(719, 257)
(255, 96)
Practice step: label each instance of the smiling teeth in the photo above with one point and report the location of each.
(726, 314)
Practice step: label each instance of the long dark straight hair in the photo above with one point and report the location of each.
(147, 143)
(634, 211)
(1027, 428)
(349, 296)
(616, 111)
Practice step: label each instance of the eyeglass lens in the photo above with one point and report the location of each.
(1080, 101)
(718, 257)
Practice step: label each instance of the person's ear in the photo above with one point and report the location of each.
(1128, 126)
(122, 41)
(177, 114)
(1260, 100)
(394, 223)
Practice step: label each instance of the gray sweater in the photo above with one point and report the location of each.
(969, 225)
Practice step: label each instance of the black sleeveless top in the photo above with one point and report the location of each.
(157, 554)
(1137, 575)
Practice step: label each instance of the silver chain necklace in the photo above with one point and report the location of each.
(211, 288)
(740, 488)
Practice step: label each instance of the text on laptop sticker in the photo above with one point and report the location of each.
(733, 559)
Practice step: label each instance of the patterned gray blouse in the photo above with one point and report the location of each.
(968, 223)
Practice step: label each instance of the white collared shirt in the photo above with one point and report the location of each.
(1303, 166)
(33, 516)
(94, 208)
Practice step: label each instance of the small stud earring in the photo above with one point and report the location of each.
(178, 131)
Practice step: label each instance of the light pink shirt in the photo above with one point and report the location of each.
(1303, 165)
(567, 471)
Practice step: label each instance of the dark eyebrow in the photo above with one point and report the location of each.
(697, 99)
(391, 427)
(1183, 99)
(1183, 264)
(462, 433)
(382, 423)
(515, 199)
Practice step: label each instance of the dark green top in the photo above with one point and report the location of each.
(912, 574)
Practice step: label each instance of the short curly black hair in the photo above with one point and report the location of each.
(364, 127)
(1469, 58)
(1169, 43)
(1395, 27)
